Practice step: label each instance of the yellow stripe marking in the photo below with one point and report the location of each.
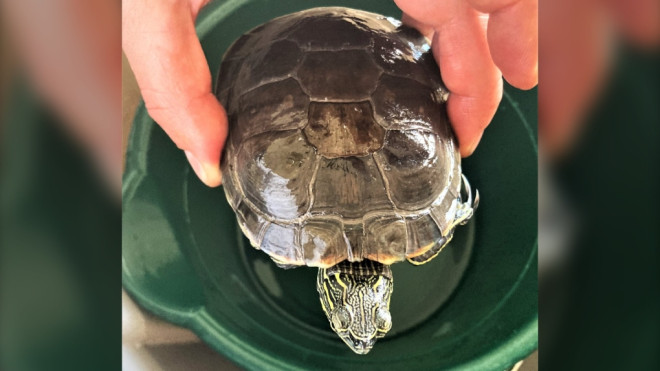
(327, 295)
(341, 283)
(380, 279)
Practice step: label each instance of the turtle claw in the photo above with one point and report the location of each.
(466, 209)
(468, 189)
(475, 204)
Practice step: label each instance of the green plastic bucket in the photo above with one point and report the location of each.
(185, 260)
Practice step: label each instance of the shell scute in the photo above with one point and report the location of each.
(423, 234)
(401, 103)
(271, 107)
(323, 242)
(387, 236)
(331, 32)
(274, 62)
(281, 243)
(347, 186)
(276, 169)
(337, 82)
(415, 168)
(328, 132)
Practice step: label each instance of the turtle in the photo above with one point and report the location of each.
(341, 156)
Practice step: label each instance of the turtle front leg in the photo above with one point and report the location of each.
(466, 209)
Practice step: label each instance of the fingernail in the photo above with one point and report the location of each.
(196, 165)
(208, 173)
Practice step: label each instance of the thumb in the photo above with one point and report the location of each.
(161, 45)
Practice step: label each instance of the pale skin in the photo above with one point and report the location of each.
(474, 50)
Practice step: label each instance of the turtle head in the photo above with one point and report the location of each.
(356, 300)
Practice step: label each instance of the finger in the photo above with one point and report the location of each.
(162, 47)
(424, 29)
(577, 54)
(427, 12)
(68, 50)
(513, 39)
(475, 83)
(491, 6)
(638, 19)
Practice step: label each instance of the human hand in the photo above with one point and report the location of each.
(161, 45)
(475, 43)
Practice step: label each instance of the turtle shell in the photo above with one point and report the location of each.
(339, 144)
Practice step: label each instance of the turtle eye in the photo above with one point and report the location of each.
(341, 319)
(383, 319)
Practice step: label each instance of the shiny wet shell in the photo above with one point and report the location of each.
(339, 146)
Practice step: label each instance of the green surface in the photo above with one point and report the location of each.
(599, 304)
(185, 260)
(59, 255)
